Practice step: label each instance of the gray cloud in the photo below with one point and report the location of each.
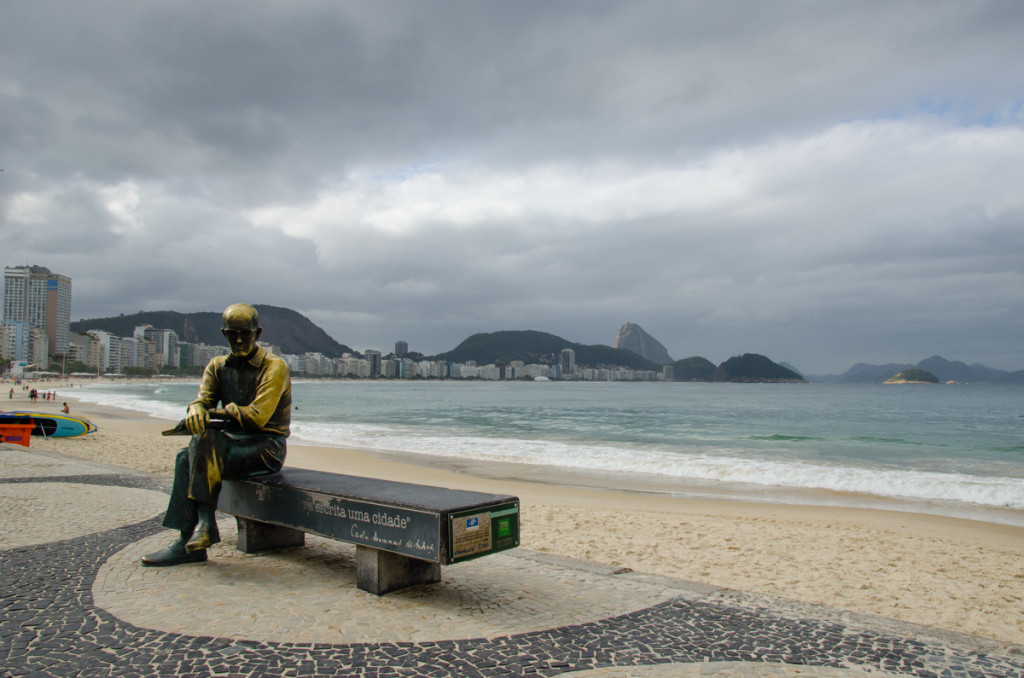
(822, 182)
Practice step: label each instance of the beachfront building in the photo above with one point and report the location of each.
(78, 347)
(374, 358)
(269, 348)
(533, 371)
(296, 363)
(434, 369)
(107, 351)
(97, 357)
(22, 342)
(317, 364)
(401, 349)
(130, 351)
(165, 344)
(351, 366)
(41, 298)
(199, 355)
(187, 354)
(618, 374)
(567, 361)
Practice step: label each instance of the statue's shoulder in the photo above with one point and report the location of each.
(275, 362)
(216, 363)
(276, 368)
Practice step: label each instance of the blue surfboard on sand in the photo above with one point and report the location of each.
(51, 425)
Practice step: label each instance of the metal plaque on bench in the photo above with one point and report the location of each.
(477, 532)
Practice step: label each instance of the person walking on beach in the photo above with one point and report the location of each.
(250, 393)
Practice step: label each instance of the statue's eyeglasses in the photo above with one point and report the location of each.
(237, 334)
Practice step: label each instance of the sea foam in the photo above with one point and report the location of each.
(703, 466)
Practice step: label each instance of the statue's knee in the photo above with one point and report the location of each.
(212, 435)
(209, 439)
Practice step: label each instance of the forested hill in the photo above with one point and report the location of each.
(283, 327)
(532, 347)
(746, 368)
(751, 367)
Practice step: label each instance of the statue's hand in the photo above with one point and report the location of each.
(196, 419)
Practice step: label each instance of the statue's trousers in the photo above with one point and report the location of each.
(211, 457)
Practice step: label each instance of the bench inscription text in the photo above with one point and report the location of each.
(399, 530)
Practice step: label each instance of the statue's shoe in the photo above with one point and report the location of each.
(175, 554)
(201, 540)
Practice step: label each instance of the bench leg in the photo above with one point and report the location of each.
(379, 572)
(254, 536)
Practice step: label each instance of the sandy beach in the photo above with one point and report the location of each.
(948, 573)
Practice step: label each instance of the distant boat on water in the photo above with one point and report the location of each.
(50, 425)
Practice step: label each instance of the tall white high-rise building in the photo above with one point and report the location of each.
(41, 298)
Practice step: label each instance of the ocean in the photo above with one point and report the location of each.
(955, 449)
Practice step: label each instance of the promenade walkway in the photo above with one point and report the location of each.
(76, 603)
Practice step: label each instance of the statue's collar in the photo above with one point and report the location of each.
(255, 358)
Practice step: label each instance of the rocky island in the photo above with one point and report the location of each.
(913, 376)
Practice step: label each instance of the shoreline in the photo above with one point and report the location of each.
(655, 486)
(946, 572)
(650, 483)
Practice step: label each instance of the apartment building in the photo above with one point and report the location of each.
(41, 298)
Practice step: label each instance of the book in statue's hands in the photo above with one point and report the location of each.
(181, 430)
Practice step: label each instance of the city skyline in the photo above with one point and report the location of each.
(149, 350)
(825, 183)
(402, 348)
(35, 297)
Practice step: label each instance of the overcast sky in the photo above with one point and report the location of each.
(820, 182)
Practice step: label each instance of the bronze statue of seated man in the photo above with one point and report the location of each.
(239, 423)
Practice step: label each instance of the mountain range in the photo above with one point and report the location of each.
(943, 369)
(532, 346)
(635, 348)
(292, 331)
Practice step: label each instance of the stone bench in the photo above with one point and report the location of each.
(403, 532)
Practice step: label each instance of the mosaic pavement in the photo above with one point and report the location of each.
(76, 603)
